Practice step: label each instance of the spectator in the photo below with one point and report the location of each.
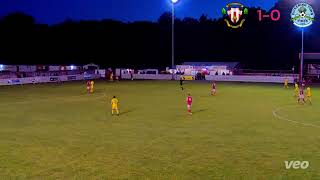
(131, 75)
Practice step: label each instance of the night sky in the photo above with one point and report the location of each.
(55, 11)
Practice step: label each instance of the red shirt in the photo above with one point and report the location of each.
(189, 100)
(213, 85)
(88, 83)
(301, 92)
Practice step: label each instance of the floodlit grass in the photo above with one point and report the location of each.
(60, 132)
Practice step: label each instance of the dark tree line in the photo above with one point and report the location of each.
(258, 45)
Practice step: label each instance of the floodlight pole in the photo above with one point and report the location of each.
(172, 36)
(302, 56)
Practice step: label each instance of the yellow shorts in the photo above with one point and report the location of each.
(114, 107)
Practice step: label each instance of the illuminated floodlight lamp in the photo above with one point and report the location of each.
(72, 67)
(1, 67)
(174, 1)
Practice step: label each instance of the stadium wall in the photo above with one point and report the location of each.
(262, 79)
(46, 79)
(234, 78)
(148, 76)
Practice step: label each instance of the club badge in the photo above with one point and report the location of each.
(234, 15)
(302, 15)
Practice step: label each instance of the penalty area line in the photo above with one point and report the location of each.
(276, 115)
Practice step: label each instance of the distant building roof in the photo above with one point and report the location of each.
(228, 64)
(92, 65)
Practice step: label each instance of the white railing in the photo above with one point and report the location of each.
(148, 76)
(46, 79)
(238, 78)
(234, 78)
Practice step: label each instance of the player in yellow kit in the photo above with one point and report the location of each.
(91, 86)
(309, 95)
(114, 105)
(296, 90)
(286, 82)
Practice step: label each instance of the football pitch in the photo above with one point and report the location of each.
(246, 131)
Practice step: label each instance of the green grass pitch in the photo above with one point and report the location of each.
(247, 131)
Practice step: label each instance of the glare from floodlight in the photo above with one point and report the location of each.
(174, 1)
(72, 67)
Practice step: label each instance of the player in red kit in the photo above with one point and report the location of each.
(213, 89)
(301, 96)
(189, 103)
(88, 86)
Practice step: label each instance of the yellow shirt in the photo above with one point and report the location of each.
(296, 86)
(92, 83)
(286, 82)
(309, 92)
(114, 102)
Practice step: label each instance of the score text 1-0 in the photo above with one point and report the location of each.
(274, 15)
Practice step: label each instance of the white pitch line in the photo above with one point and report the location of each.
(275, 114)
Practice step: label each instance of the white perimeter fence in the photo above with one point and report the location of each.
(235, 78)
(262, 79)
(46, 79)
